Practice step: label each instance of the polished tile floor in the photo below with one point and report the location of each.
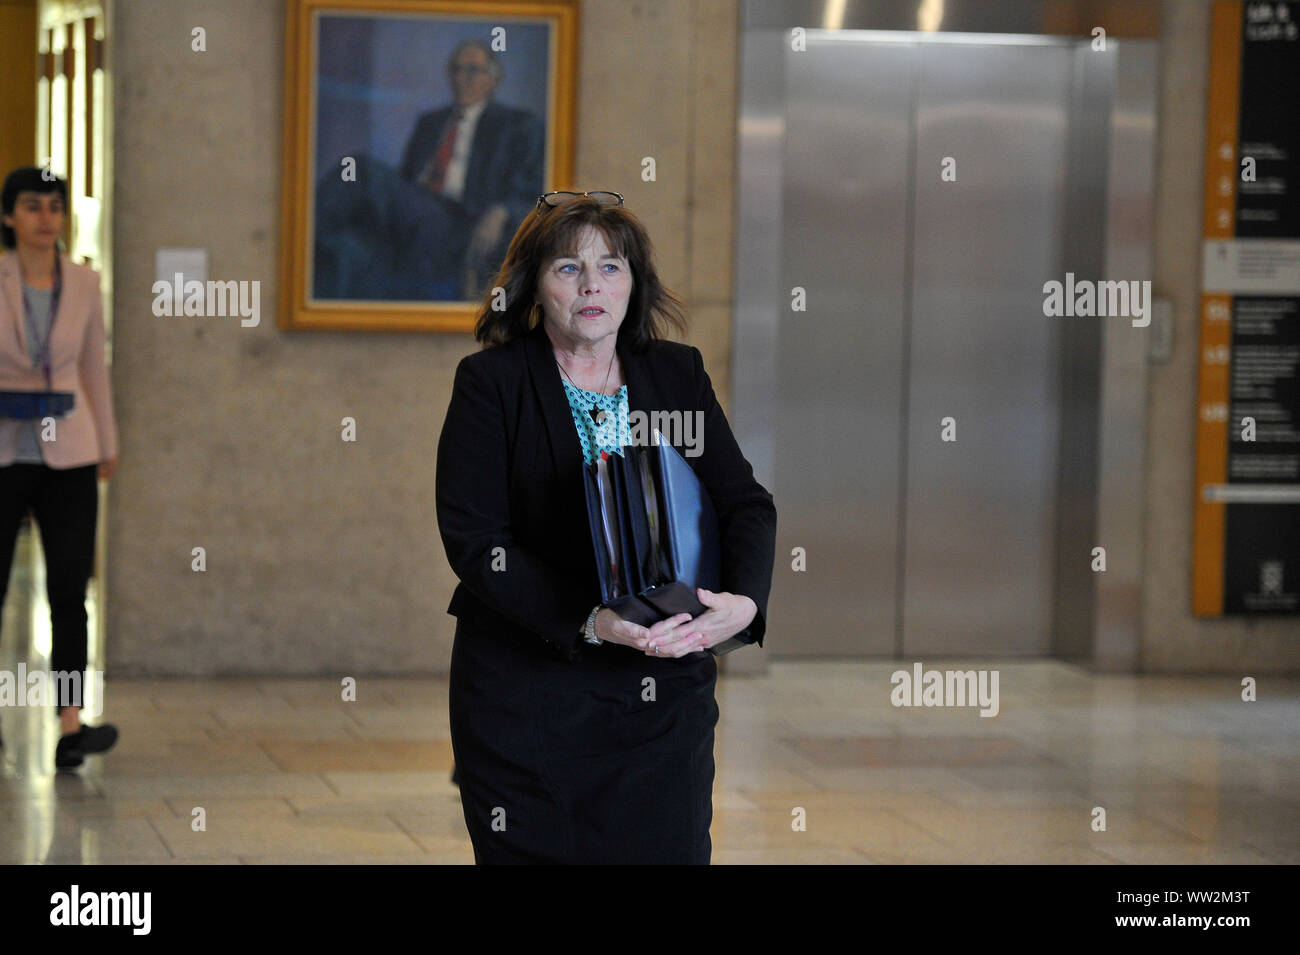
(268, 770)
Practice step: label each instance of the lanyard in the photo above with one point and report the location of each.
(45, 346)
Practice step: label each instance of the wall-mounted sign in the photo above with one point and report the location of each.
(1247, 535)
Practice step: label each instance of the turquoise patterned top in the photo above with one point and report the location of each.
(612, 433)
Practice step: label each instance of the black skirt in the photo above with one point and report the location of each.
(607, 759)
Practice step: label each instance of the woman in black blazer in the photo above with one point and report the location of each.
(580, 737)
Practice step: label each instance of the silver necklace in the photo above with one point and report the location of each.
(597, 414)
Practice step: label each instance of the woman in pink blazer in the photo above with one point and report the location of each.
(52, 339)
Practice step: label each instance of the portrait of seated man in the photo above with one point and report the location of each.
(434, 226)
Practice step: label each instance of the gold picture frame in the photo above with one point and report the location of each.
(405, 231)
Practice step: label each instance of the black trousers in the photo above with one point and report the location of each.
(65, 503)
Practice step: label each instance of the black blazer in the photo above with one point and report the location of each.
(509, 476)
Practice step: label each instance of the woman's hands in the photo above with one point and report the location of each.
(726, 616)
(106, 468)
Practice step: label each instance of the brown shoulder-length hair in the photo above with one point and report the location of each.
(548, 233)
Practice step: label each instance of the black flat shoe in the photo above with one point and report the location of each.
(96, 739)
(73, 747)
(66, 754)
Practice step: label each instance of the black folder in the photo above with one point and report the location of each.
(32, 405)
(655, 534)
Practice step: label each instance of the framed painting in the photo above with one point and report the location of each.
(418, 135)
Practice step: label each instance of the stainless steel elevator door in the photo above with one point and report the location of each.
(924, 301)
(980, 510)
(838, 388)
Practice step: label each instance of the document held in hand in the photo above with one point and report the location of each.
(655, 535)
(31, 405)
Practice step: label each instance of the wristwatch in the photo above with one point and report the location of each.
(589, 629)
